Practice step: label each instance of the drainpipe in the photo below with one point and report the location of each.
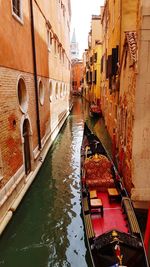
(120, 29)
(35, 73)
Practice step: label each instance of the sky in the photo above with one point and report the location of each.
(82, 11)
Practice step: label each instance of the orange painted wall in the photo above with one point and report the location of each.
(16, 60)
(15, 53)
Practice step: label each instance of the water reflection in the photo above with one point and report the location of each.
(47, 229)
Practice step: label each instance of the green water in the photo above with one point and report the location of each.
(47, 228)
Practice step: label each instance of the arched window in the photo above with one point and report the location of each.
(50, 91)
(61, 91)
(56, 91)
(64, 88)
(17, 9)
(41, 93)
(22, 95)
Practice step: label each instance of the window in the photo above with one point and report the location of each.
(109, 67)
(50, 91)
(114, 60)
(94, 78)
(64, 90)
(63, 56)
(56, 91)
(61, 91)
(89, 77)
(49, 39)
(60, 53)
(58, 47)
(16, 9)
(95, 57)
(41, 93)
(55, 44)
(22, 95)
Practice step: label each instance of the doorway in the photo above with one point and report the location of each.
(27, 155)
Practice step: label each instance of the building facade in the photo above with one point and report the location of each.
(34, 91)
(77, 76)
(92, 61)
(118, 48)
(124, 91)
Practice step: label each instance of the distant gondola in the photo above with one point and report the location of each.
(112, 230)
(95, 110)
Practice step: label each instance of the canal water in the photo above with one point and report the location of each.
(47, 228)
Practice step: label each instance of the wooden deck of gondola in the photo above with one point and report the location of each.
(133, 223)
(89, 226)
(87, 219)
(85, 205)
(112, 217)
(118, 225)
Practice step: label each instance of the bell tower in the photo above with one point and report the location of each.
(74, 47)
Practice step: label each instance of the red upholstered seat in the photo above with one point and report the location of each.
(98, 172)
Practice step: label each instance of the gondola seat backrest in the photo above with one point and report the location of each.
(98, 171)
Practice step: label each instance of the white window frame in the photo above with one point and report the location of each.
(49, 39)
(41, 90)
(50, 91)
(55, 47)
(63, 57)
(60, 53)
(57, 90)
(19, 18)
(25, 98)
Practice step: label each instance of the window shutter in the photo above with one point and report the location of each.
(95, 57)
(114, 60)
(16, 7)
(90, 77)
(109, 65)
(87, 76)
(106, 68)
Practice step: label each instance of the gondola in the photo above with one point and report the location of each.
(113, 234)
(95, 111)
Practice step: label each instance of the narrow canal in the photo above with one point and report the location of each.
(47, 229)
